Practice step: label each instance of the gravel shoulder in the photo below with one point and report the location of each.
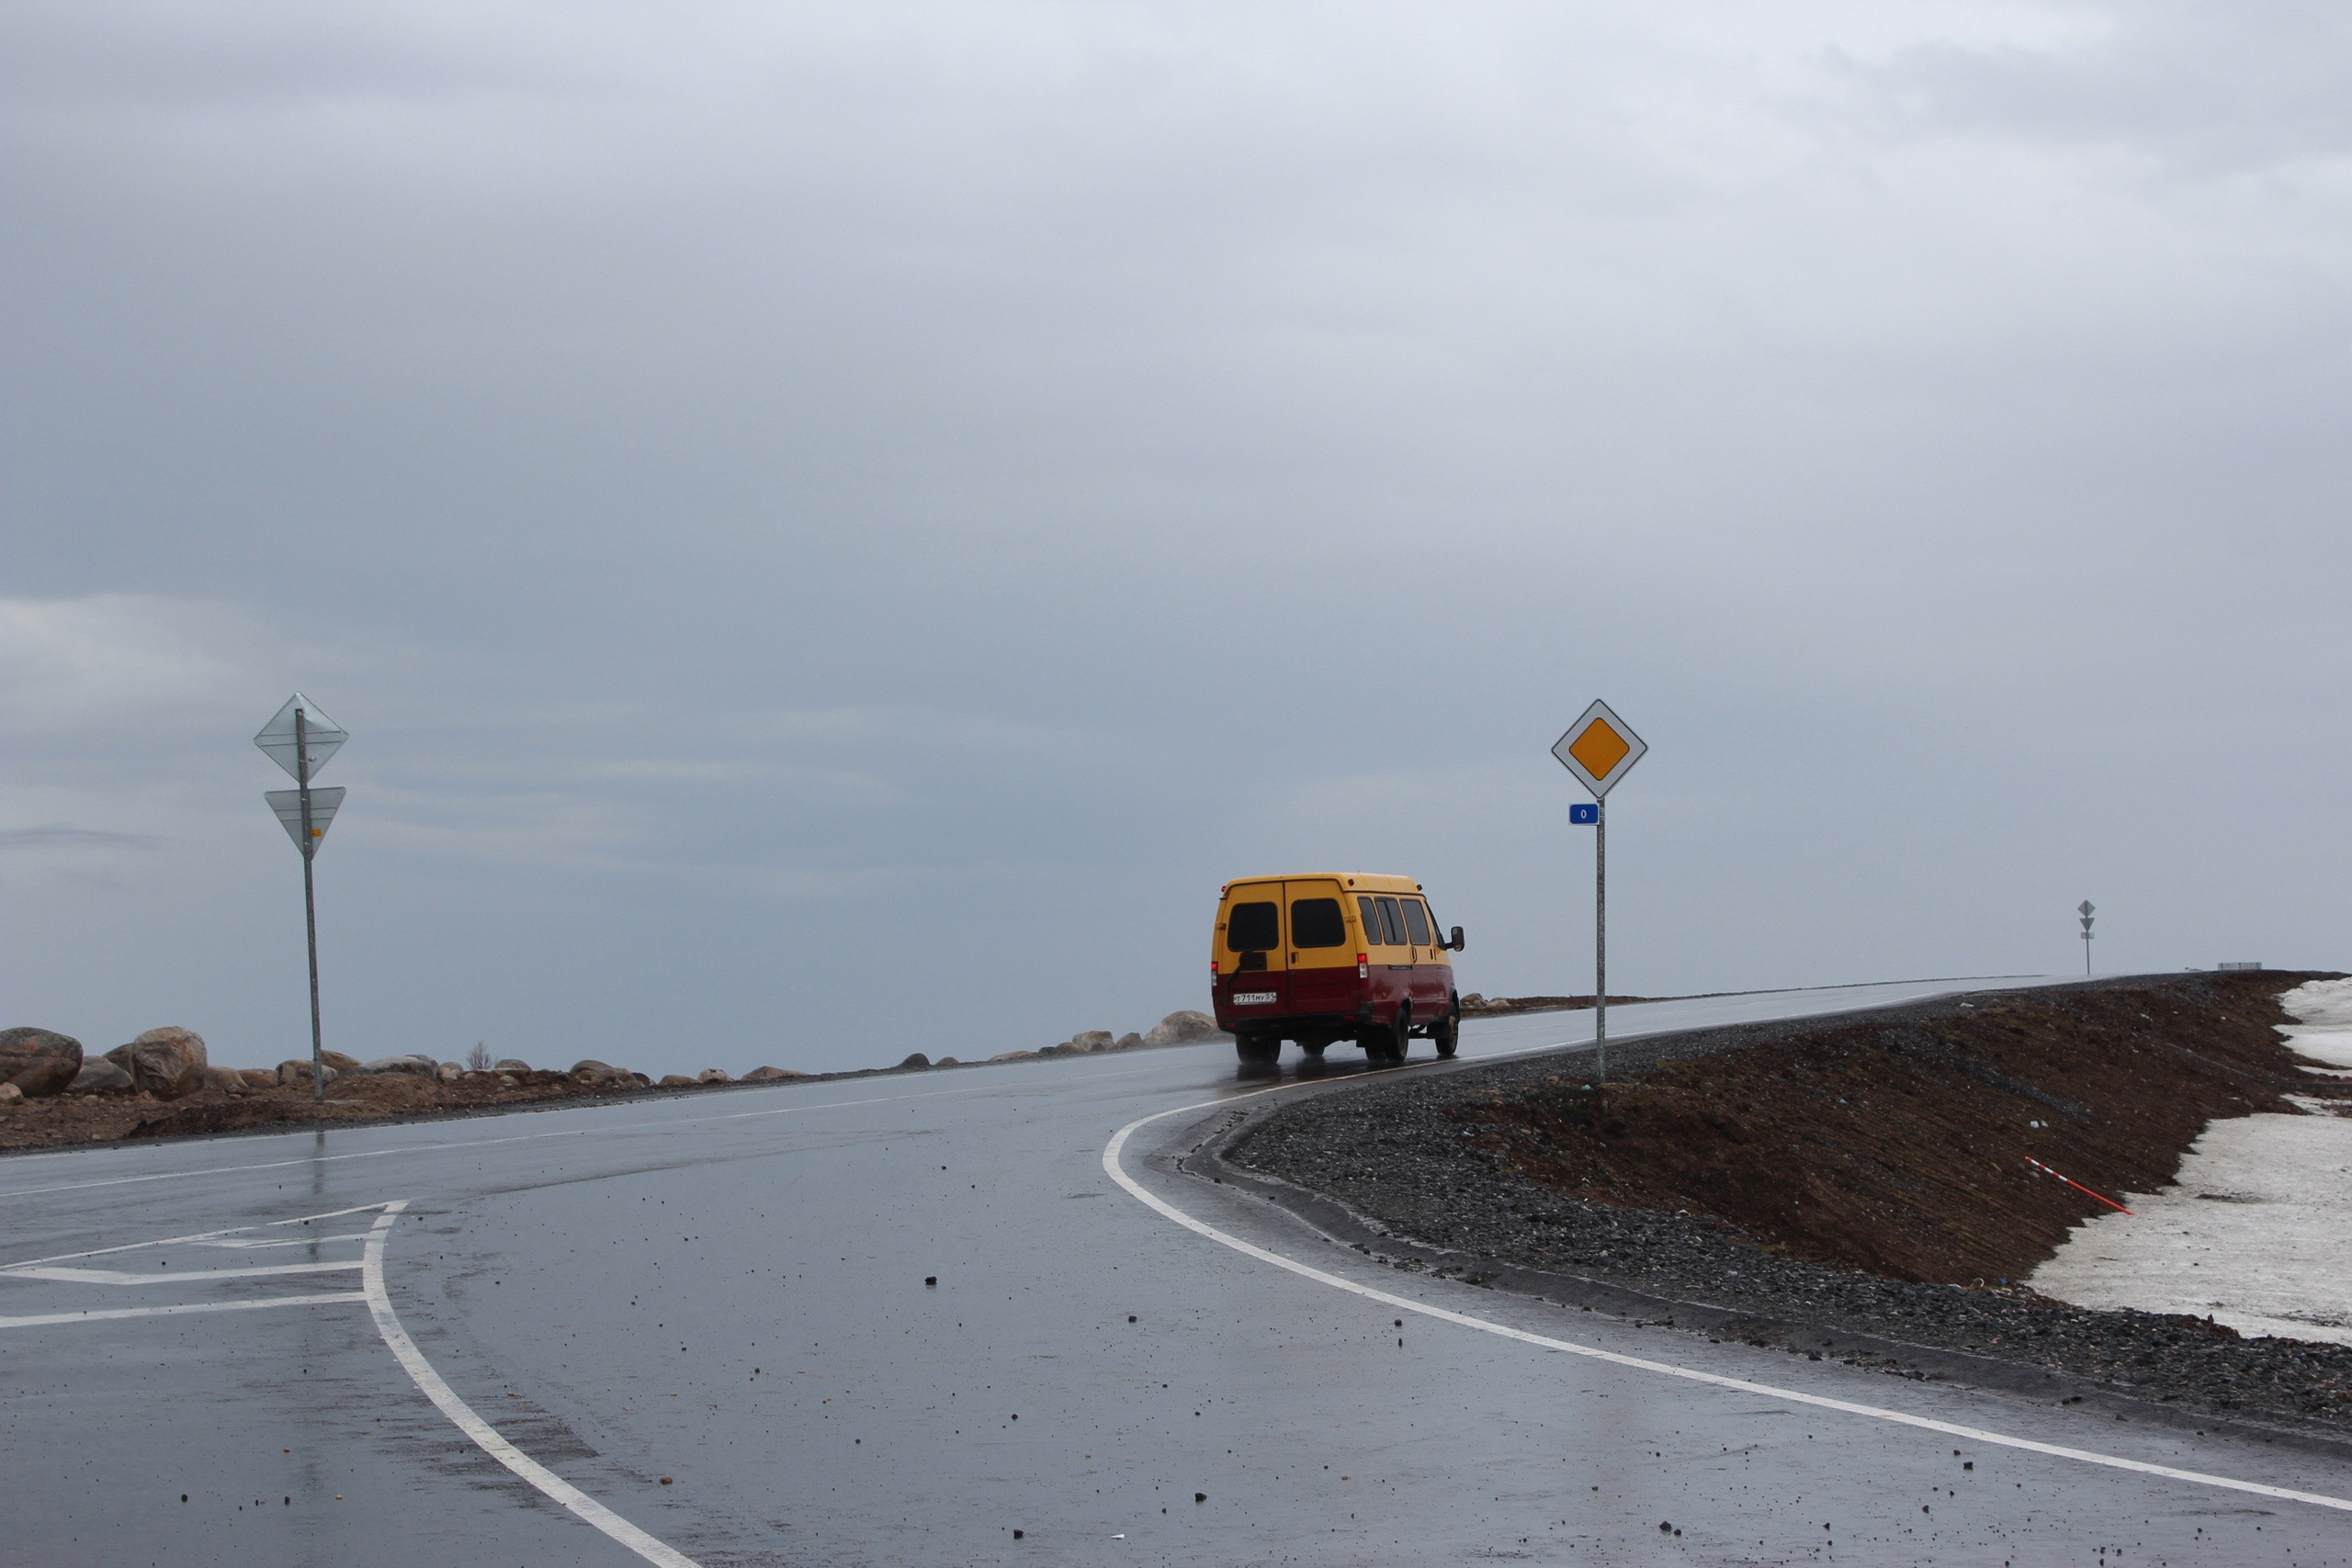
(1857, 1188)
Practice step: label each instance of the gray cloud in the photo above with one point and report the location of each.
(65, 836)
(833, 532)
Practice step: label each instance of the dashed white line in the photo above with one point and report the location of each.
(111, 1315)
(189, 1275)
(219, 1237)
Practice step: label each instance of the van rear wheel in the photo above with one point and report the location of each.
(1384, 1046)
(1258, 1050)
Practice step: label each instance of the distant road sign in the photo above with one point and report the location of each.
(299, 740)
(322, 738)
(287, 804)
(1600, 748)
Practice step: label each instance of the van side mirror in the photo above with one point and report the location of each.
(1456, 943)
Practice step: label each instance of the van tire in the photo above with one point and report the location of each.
(1387, 1046)
(1258, 1050)
(1447, 1030)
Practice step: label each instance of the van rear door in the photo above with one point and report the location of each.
(1322, 954)
(1251, 951)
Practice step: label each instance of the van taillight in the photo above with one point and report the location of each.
(1363, 965)
(1212, 968)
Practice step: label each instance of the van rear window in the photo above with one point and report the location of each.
(1253, 928)
(1393, 921)
(1417, 922)
(1316, 922)
(1371, 921)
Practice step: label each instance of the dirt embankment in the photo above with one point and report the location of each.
(1902, 1146)
(1806, 1183)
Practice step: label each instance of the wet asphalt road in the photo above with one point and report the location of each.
(727, 1290)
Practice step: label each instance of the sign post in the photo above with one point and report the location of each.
(299, 740)
(1600, 748)
(2086, 912)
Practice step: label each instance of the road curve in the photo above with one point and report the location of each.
(700, 1331)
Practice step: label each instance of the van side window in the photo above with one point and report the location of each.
(1253, 928)
(1393, 920)
(1316, 922)
(1370, 922)
(1417, 922)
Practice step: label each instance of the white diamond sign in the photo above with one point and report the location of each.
(320, 733)
(287, 804)
(1600, 748)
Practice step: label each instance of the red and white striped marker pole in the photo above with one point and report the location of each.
(2076, 1185)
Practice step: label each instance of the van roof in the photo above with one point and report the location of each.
(1364, 881)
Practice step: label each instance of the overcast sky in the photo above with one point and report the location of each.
(834, 529)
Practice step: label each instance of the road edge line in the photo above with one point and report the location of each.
(1116, 1170)
(482, 1434)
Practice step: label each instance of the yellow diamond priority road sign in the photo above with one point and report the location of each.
(1600, 748)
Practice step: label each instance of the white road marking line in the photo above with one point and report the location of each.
(164, 1277)
(282, 1241)
(471, 1144)
(112, 1314)
(485, 1436)
(1117, 1172)
(196, 1237)
(379, 1302)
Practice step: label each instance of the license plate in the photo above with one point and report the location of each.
(1252, 998)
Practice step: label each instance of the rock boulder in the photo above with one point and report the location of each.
(916, 1061)
(771, 1075)
(99, 1075)
(338, 1061)
(714, 1074)
(1090, 1041)
(510, 1065)
(1127, 1042)
(423, 1066)
(167, 1062)
(295, 1074)
(591, 1070)
(39, 1062)
(259, 1078)
(228, 1080)
(1183, 1029)
(679, 1080)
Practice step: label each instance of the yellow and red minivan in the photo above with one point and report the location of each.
(1330, 956)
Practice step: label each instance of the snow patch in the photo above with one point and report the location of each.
(2253, 1234)
(2323, 1029)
